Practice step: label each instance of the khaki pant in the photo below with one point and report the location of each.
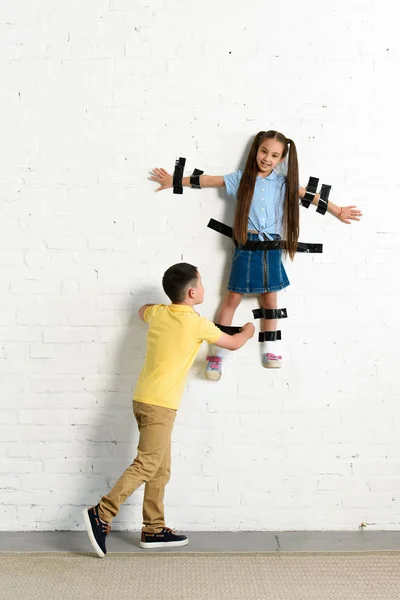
(151, 466)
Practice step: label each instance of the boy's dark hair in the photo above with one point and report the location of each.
(177, 278)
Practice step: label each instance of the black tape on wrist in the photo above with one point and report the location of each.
(311, 188)
(195, 179)
(270, 313)
(323, 201)
(229, 329)
(178, 175)
(269, 336)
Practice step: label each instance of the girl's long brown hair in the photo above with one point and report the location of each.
(246, 192)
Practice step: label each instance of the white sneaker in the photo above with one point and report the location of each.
(214, 368)
(271, 361)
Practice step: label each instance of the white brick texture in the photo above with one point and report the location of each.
(93, 95)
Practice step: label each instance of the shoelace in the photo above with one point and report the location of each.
(214, 362)
(106, 528)
(168, 530)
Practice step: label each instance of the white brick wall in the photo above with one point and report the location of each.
(95, 93)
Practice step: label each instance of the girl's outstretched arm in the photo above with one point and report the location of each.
(165, 179)
(346, 214)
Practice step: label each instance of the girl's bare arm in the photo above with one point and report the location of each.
(165, 180)
(343, 213)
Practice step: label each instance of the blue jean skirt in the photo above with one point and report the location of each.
(257, 271)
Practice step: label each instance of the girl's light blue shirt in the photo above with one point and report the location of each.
(266, 210)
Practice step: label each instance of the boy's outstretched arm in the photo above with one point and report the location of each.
(142, 310)
(234, 342)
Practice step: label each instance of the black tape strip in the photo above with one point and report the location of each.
(323, 201)
(270, 313)
(220, 228)
(268, 245)
(311, 188)
(269, 336)
(195, 179)
(281, 245)
(178, 175)
(229, 329)
(309, 248)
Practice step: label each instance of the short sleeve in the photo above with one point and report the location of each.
(282, 188)
(232, 181)
(208, 332)
(150, 312)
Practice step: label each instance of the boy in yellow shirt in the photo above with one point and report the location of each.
(175, 335)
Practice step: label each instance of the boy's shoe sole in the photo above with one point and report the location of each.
(92, 539)
(163, 544)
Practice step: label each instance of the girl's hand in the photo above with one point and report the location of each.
(348, 214)
(163, 178)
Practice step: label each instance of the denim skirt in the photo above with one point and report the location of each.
(257, 271)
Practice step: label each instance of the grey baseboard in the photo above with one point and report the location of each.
(202, 541)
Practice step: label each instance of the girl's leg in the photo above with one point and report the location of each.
(225, 317)
(228, 308)
(270, 353)
(269, 300)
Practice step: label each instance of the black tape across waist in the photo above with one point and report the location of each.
(263, 245)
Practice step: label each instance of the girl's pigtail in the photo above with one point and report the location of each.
(291, 214)
(245, 192)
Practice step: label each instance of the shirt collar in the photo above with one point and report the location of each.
(181, 308)
(271, 176)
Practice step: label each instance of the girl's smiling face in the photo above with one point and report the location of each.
(269, 155)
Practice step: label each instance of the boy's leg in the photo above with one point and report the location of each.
(153, 502)
(154, 532)
(155, 425)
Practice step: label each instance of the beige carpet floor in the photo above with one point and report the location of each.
(280, 576)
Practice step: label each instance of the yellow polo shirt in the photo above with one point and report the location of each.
(175, 335)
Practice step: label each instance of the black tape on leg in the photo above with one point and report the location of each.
(270, 313)
(311, 188)
(229, 329)
(195, 179)
(323, 201)
(178, 175)
(269, 336)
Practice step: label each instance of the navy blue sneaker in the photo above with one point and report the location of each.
(97, 530)
(163, 539)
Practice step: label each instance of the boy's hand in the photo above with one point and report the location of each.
(249, 329)
(234, 342)
(163, 178)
